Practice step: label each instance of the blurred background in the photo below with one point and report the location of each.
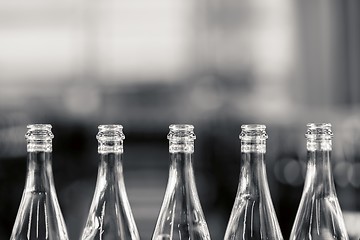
(146, 64)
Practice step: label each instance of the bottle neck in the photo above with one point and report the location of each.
(181, 155)
(181, 167)
(110, 168)
(252, 171)
(39, 172)
(319, 176)
(181, 147)
(110, 149)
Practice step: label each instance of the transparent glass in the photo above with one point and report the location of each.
(253, 215)
(39, 216)
(181, 216)
(319, 215)
(110, 216)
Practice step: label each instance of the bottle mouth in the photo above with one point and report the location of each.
(39, 132)
(318, 125)
(40, 125)
(39, 138)
(110, 132)
(319, 131)
(181, 138)
(181, 133)
(181, 127)
(253, 127)
(253, 132)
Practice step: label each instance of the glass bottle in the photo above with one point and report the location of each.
(39, 216)
(110, 215)
(181, 216)
(253, 215)
(319, 215)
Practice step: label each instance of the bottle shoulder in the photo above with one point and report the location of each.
(110, 215)
(39, 217)
(319, 217)
(253, 217)
(181, 215)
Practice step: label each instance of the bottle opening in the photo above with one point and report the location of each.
(181, 127)
(110, 138)
(110, 126)
(39, 137)
(110, 132)
(253, 138)
(319, 136)
(253, 127)
(253, 132)
(181, 132)
(181, 138)
(319, 131)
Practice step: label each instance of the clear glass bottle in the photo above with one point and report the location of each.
(110, 215)
(39, 216)
(319, 215)
(181, 216)
(253, 215)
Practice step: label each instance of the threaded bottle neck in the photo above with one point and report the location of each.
(253, 138)
(39, 138)
(319, 137)
(181, 138)
(110, 139)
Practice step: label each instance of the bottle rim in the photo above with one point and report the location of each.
(39, 138)
(110, 126)
(180, 127)
(318, 125)
(110, 132)
(253, 132)
(253, 127)
(39, 132)
(181, 133)
(319, 131)
(39, 126)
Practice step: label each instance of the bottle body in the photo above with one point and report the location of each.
(39, 216)
(319, 215)
(253, 215)
(181, 216)
(110, 215)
